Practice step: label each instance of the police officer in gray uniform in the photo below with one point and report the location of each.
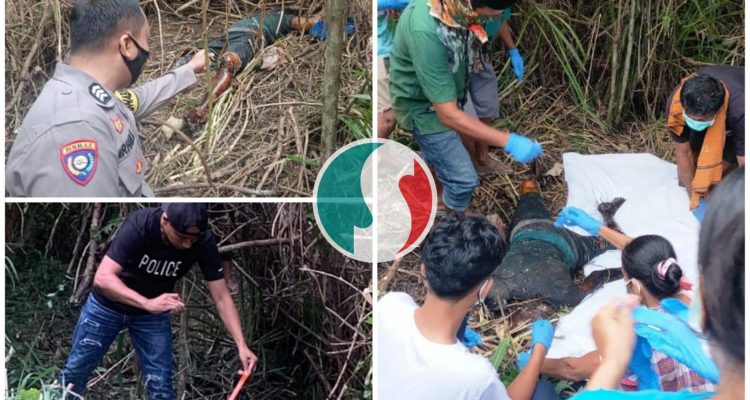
(80, 137)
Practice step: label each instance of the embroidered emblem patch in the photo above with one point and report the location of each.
(99, 94)
(139, 167)
(118, 124)
(79, 160)
(128, 98)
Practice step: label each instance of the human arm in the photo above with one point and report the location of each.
(228, 313)
(458, 120)
(614, 335)
(738, 135)
(522, 149)
(574, 216)
(515, 56)
(572, 368)
(617, 239)
(107, 280)
(522, 388)
(147, 98)
(506, 36)
(685, 164)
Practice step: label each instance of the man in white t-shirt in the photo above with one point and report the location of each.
(419, 356)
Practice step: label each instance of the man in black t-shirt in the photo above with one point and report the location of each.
(134, 289)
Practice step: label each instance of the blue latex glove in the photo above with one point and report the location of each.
(606, 394)
(392, 4)
(701, 210)
(640, 365)
(319, 30)
(470, 338)
(574, 216)
(523, 359)
(672, 336)
(542, 332)
(517, 61)
(523, 149)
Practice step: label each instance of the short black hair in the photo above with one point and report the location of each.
(494, 4)
(702, 95)
(721, 257)
(642, 256)
(459, 253)
(94, 22)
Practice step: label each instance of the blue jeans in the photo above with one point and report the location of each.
(446, 153)
(98, 327)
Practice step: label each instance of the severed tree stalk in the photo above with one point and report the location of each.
(84, 283)
(334, 19)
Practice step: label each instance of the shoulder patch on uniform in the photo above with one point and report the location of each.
(99, 94)
(80, 159)
(129, 98)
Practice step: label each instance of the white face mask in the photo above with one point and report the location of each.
(480, 299)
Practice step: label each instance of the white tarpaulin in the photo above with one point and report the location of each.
(654, 204)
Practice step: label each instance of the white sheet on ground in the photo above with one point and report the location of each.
(654, 204)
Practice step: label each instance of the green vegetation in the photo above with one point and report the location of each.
(299, 305)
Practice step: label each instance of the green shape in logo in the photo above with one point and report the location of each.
(340, 204)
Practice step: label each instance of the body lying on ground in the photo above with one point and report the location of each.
(245, 39)
(651, 272)
(543, 259)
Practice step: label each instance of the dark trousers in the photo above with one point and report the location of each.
(249, 35)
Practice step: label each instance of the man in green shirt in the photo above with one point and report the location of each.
(429, 76)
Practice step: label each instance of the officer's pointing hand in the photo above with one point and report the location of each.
(248, 358)
(165, 303)
(198, 63)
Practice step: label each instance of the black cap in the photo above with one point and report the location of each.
(184, 215)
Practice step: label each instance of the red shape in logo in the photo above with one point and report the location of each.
(417, 192)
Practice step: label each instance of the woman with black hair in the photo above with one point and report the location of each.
(651, 272)
(718, 312)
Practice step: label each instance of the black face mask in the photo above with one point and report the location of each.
(136, 66)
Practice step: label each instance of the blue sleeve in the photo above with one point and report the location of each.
(392, 4)
(208, 258)
(506, 15)
(605, 394)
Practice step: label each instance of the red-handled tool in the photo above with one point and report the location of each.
(240, 384)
